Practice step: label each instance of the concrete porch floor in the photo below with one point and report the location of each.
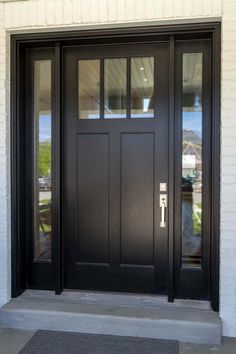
(115, 314)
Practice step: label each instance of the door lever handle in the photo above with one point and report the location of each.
(163, 206)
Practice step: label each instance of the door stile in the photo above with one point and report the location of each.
(57, 214)
(161, 169)
(171, 169)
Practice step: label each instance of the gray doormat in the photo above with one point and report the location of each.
(50, 342)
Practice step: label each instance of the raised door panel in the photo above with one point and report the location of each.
(92, 198)
(137, 192)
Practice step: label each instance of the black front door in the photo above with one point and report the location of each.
(115, 162)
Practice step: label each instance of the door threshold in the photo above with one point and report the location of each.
(138, 300)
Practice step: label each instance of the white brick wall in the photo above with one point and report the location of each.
(5, 268)
(45, 14)
(42, 13)
(228, 170)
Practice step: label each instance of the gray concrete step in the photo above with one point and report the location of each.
(115, 314)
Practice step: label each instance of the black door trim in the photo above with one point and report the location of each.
(57, 173)
(19, 45)
(215, 202)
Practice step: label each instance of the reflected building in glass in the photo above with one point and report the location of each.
(192, 160)
(42, 160)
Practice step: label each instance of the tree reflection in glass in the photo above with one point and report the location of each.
(42, 160)
(192, 160)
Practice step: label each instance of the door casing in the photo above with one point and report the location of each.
(19, 45)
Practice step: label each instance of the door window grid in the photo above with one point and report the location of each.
(114, 88)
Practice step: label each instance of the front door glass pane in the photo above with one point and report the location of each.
(192, 160)
(142, 87)
(42, 160)
(89, 89)
(115, 88)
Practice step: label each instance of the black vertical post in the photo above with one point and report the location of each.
(128, 87)
(15, 247)
(102, 89)
(18, 167)
(215, 202)
(57, 171)
(171, 170)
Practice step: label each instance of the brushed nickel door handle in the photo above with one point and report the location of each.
(163, 206)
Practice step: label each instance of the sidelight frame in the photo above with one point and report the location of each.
(39, 272)
(19, 47)
(196, 277)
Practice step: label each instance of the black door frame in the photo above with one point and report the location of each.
(19, 45)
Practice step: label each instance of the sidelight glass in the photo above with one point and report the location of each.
(89, 89)
(115, 88)
(142, 87)
(192, 159)
(42, 160)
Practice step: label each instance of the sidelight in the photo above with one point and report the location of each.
(192, 160)
(42, 160)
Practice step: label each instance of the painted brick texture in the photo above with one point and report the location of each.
(40, 15)
(228, 170)
(33, 13)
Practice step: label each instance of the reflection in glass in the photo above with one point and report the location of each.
(142, 87)
(115, 88)
(192, 160)
(42, 160)
(89, 89)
